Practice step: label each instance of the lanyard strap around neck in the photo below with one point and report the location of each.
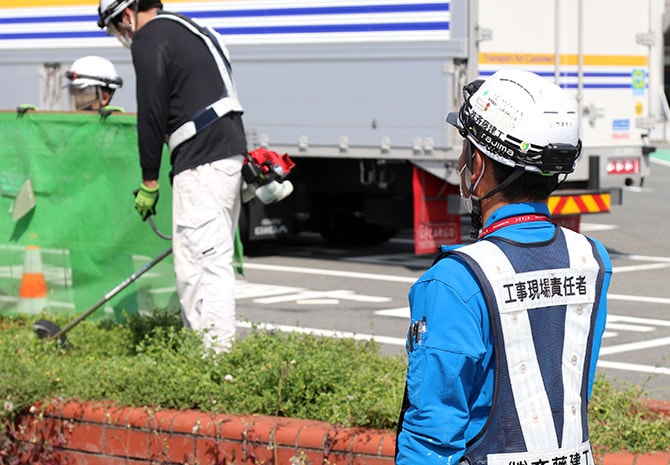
(512, 220)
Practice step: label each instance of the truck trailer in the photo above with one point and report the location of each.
(357, 91)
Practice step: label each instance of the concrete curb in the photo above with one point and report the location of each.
(95, 433)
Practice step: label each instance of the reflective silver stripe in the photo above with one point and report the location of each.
(530, 399)
(188, 129)
(581, 455)
(222, 106)
(577, 325)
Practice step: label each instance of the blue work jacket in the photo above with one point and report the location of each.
(451, 362)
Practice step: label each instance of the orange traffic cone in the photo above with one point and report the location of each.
(33, 289)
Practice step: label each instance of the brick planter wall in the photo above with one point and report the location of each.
(96, 434)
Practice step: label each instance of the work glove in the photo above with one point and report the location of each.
(146, 199)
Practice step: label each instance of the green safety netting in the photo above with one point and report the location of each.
(79, 213)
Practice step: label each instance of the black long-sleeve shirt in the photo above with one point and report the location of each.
(176, 77)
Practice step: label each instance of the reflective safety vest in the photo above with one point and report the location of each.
(227, 103)
(542, 301)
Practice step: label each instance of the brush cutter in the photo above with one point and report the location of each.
(46, 329)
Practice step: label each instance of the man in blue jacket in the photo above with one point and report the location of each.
(505, 332)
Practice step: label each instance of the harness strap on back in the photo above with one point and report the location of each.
(226, 104)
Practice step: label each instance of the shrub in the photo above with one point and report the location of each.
(152, 361)
(618, 419)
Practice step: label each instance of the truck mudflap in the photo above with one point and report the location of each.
(577, 204)
(434, 224)
(437, 210)
(567, 208)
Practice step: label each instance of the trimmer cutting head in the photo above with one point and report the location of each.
(46, 329)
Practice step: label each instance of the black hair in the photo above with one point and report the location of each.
(530, 186)
(145, 5)
(139, 5)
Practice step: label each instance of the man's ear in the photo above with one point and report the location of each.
(106, 98)
(477, 166)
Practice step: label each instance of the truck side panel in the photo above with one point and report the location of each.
(604, 61)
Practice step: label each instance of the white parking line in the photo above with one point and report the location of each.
(614, 323)
(633, 367)
(637, 320)
(634, 268)
(395, 341)
(640, 258)
(324, 272)
(639, 299)
(590, 227)
(341, 294)
(400, 312)
(626, 327)
(631, 346)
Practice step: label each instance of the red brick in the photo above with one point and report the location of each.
(209, 450)
(92, 412)
(619, 458)
(343, 440)
(88, 459)
(177, 448)
(316, 436)
(162, 420)
(364, 460)
(310, 456)
(57, 409)
(388, 444)
(194, 422)
(133, 436)
(259, 452)
(260, 430)
(286, 455)
(139, 417)
(126, 442)
(340, 458)
(86, 437)
(654, 458)
(288, 431)
(658, 406)
(116, 415)
(367, 441)
(235, 427)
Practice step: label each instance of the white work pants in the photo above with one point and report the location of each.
(205, 212)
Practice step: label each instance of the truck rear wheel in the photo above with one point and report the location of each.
(346, 228)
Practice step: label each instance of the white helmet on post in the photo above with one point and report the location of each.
(521, 119)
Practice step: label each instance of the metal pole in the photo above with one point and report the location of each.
(121, 286)
(580, 62)
(557, 42)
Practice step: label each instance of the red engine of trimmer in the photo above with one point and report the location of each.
(265, 173)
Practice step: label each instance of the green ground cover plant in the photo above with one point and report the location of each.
(152, 361)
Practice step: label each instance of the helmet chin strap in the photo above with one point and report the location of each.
(475, 219)
(476, 214)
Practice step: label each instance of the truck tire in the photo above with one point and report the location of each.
(345, 229)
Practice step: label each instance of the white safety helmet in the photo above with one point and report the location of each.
(108, 9)
(94, 71)
(111, 9)
(520, 119)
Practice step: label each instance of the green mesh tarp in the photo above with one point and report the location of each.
(83, 170)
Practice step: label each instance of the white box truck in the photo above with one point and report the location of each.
(357, 91)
